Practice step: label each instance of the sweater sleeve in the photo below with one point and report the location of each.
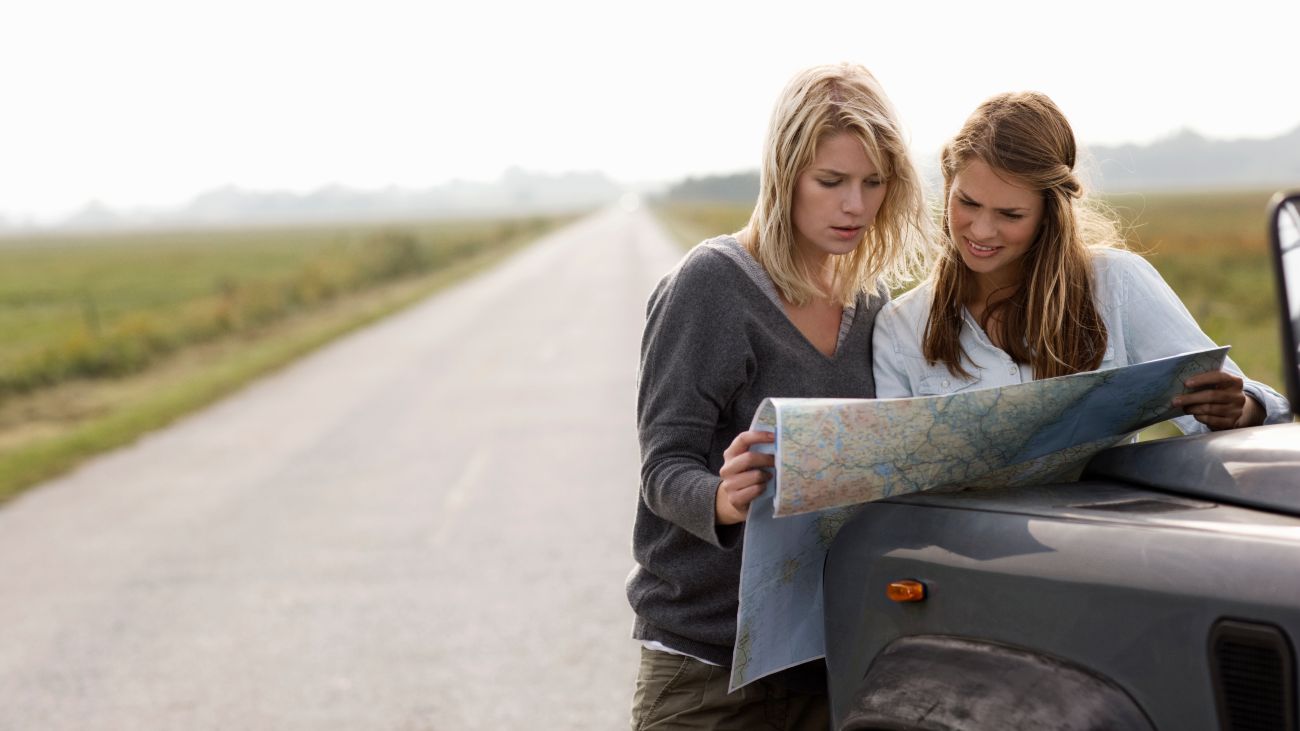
(694, 359)
(1158, 325)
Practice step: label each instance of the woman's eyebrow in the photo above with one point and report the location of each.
(833, 171)
(963, 194)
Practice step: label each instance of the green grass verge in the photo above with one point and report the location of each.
(110, 413)
(691, 223)
(109, 305)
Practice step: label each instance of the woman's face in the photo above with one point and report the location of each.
(992, 222)
(836, 198)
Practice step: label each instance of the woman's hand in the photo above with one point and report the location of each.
(742, 476)
(1219, 402)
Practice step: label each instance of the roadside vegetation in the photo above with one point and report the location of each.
(103, 338)
(1211, 247)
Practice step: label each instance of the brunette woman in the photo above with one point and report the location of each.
(1033, 282)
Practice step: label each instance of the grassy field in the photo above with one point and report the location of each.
(105, 338)
(77, 307)
(1210, 247)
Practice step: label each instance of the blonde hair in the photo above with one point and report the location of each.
(1051, 321)
(817, 103)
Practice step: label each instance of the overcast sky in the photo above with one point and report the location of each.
(143, 103)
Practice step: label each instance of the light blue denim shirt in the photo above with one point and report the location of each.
(1144, 319)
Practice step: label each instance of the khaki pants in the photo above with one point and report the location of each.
(678, 692)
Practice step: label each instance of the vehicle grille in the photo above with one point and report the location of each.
(1254, 676)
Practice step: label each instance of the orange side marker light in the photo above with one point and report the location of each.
(905, 591)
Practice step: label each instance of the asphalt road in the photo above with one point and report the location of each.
(425, 525)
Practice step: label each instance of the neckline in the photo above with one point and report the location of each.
(730, 246)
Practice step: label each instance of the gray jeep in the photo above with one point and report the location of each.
(1160, 591)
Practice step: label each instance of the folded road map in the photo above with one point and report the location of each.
(832, 454)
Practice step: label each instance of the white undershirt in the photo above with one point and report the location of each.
(661, 647)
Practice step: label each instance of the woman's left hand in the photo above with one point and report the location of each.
(1218, 401)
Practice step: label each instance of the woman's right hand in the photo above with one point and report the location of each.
(742, 476)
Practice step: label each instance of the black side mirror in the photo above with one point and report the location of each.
(1284, 225)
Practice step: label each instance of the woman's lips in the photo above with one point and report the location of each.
(979, 250)
(846, 232)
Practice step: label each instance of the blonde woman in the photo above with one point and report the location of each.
(1033, 282)
(785, 307)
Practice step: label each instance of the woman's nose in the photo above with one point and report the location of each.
(982, 226)
(854, 201)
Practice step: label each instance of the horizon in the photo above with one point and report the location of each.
(158, 104)
(143, 212)
(95, 215)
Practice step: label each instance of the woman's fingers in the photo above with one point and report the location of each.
(744, 479)
(746, 439)
(1215, 415)
(742, 497)
(1218, 400)
(746, 461)
(743, 476)
(732, 502)
(1212, 379)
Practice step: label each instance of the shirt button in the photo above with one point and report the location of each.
(945, 383)
(1013, 370)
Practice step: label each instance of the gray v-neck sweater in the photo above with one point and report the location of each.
(716, 343)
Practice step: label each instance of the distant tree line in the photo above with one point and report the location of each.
(1187, 160)
(517, 192)
(733, 188)
(1182, 161)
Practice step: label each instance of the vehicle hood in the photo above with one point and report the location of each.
(1258, 467)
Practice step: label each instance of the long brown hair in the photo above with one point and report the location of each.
(817, 103)
(1051, 320)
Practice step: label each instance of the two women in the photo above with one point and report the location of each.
(1030, 284)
